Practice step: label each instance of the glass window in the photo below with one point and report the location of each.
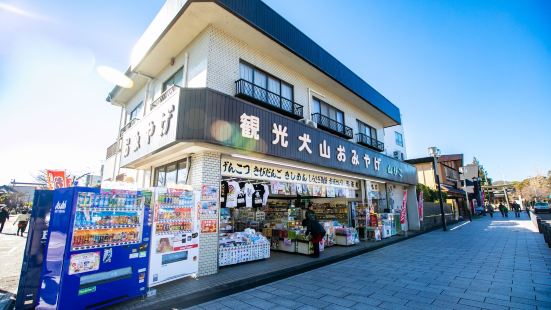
(173, 173)
(286, 91)
(328, 110)
(170, 177)
(181, 178)
(136, 112)
(315, 106)
(399, 138)
(367, 130)
(245, 72)
(159, 179)
(175, 79)
(274, 85)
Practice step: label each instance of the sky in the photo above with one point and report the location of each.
(471, 77)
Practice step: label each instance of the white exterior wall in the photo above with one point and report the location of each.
(205, 170)
(225, 53)
(390, 141)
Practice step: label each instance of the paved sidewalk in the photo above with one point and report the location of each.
(11, 257)
(487, 264)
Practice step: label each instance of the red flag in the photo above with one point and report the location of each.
(403, 212)
(56, 179)
(420, 205)
(69, 181)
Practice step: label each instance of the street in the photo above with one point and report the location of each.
(11, 256)
(486, 264)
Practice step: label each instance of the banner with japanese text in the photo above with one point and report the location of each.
(420, 205)
(55, 179)
(262, 171)
(404, 209)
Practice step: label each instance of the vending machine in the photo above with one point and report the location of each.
(29, 280)
(98, 243)
(174, 251)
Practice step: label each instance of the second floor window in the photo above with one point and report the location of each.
(399, 138)
(274, 86)
(176, 79)
(367, 130)
(174, 173)
(136, 112)
(328, 110)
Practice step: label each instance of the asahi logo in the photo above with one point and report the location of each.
(60, 207)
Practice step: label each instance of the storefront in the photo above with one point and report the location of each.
(263, 170)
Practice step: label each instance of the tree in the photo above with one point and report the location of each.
(534, 188)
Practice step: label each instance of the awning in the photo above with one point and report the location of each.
(452, 191)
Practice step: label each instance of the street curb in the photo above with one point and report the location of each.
(223, 290)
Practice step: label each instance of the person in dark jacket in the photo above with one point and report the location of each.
(4, 216)
(502, 209)
(490, 210)
(316, 231)
(516, 208)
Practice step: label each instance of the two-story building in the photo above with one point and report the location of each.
(229, 91)
(448, 171)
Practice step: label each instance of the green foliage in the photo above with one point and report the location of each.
(429, 194)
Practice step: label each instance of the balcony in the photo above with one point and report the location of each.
(370, 142)
(113, 149)
(248, 91)
(332, 126)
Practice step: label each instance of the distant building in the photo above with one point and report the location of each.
(448, 170)
(394, 142)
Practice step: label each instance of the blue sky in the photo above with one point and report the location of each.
(470, 77)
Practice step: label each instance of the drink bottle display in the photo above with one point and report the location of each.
(174, 249)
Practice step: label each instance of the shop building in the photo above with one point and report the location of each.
(394, 142)
(228, 93)
(447, 167)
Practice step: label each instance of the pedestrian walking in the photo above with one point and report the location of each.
(506, 210)
(316, 232)
(516, 208)
(4, 216)
(502, 209)
(490, 210)
(22, 220)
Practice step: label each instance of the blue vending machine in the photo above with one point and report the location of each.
(29, 280)
(98, 242)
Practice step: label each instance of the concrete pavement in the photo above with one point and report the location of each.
(487, 264)
(11, 257)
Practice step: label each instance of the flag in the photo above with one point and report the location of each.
(69, 181)
(420, 205)
(403, 212)
(56, 179)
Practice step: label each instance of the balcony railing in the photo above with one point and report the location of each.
(370, 142)
(247, 90)
(127, 126)
(332, 125)
(113, 149)
(169, 92)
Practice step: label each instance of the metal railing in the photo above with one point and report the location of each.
(113, 149)
(368, 141)
(128, 126)
(248, 90)
(169, 92)
(332, 125)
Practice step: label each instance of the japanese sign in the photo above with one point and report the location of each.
(208, 226)
(246, 169)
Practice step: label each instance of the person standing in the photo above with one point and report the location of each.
(516, 208)
(316, 231)
(490, 210)
(506, 210)
(502, 209)
(22, 220)
(4, 216)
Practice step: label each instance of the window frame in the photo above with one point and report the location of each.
(266, 80)
(165, 83)
(138, 106)
(372, 130)
(330, 108)
(401, 140)
(163, 168)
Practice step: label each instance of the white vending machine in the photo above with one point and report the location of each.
(174, 250)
